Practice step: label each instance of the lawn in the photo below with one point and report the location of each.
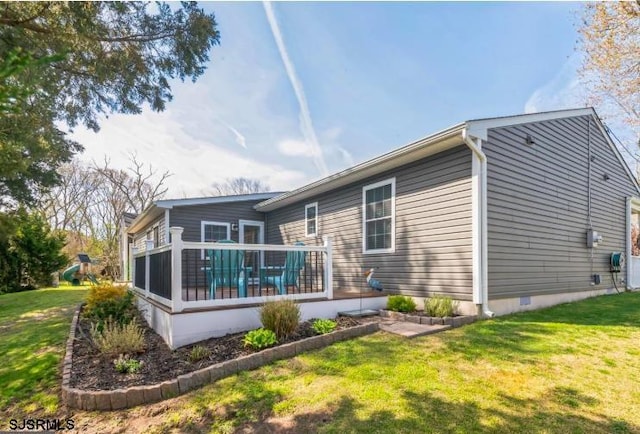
(573, 368)
(34, 327)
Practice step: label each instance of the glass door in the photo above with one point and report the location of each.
(252, 232)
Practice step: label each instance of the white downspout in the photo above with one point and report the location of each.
(480, 247)
(627, 245)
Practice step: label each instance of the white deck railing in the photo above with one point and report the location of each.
(178, 275)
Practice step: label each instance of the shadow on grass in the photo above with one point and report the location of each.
(428, 413)
(34, 327)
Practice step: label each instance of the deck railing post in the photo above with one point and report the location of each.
(328, 278)
(132, 266)
(147, 266)
(176, 268)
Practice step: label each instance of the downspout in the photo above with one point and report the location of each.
(481, 203)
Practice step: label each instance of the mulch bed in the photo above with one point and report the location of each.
(93, 371)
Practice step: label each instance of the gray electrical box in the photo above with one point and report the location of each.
(593, 238)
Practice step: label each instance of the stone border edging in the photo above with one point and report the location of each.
(120, 399)
(453, 321)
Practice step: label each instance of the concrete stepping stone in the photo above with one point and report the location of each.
(410, 329)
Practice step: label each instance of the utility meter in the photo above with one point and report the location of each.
(593, 238)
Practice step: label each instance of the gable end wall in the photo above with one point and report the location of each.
(537, 208)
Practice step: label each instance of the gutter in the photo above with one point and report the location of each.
(479, 224)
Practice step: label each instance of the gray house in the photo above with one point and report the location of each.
(502, 214)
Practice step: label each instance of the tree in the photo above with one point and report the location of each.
(29, 150)
(135, 187)
(112, 57)
(239, 186)
(610, 39)
(15, 62)
(30, 254)
(90, 201)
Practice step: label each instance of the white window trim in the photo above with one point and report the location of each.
(204, 223)
(150, 230)
(366, 188)
(310, 205)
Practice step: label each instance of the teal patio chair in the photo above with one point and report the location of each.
(226, 269)
(290, 276)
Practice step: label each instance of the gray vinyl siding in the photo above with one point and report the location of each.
(433, 229)
(537, 208)
(190, 217)
(139, 238)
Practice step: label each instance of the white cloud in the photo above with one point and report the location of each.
(565, 90)
(158, 139)
(306, 125)
(296, 148)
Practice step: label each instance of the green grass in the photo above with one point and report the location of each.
(569, 369)
(573, 368)
(34, 327)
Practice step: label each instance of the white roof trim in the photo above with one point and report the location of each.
(155, 209)
(616, 151)
(170, 203)
(479, 127)
(429, 145)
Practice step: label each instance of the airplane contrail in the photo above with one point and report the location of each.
(305, 116)
(240, 139)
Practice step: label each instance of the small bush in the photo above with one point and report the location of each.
(439, 306)
(103, 292)
(126, 365)
(401, 303)
(118, 339)
(198, 353)
(323, 326)
(260, 338)
(281, 317)
(106, 302)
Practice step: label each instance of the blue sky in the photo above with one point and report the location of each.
(297, 91)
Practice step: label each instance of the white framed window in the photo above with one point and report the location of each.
(212, 232)
(379, 217)
(311, 219)
(153, 234)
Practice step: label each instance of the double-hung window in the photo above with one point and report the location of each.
(378, 217)
(311, 219)
(212, 232)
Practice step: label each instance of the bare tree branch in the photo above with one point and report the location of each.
(238, 186)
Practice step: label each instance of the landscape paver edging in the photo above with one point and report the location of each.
(125, 398)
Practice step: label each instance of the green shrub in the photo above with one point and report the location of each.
(117, 338)
(126, 365)
(198, 353)
(260, 338)
(323, 326)
(104, 292)
(439, 306)
(109, 302)
(30, 250)
(401, 303)
(281, 317)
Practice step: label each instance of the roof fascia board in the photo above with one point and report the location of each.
(616, 151)
(156, 209)
(479, 128)
(151, 213)
(430, 145)
(170, 203)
